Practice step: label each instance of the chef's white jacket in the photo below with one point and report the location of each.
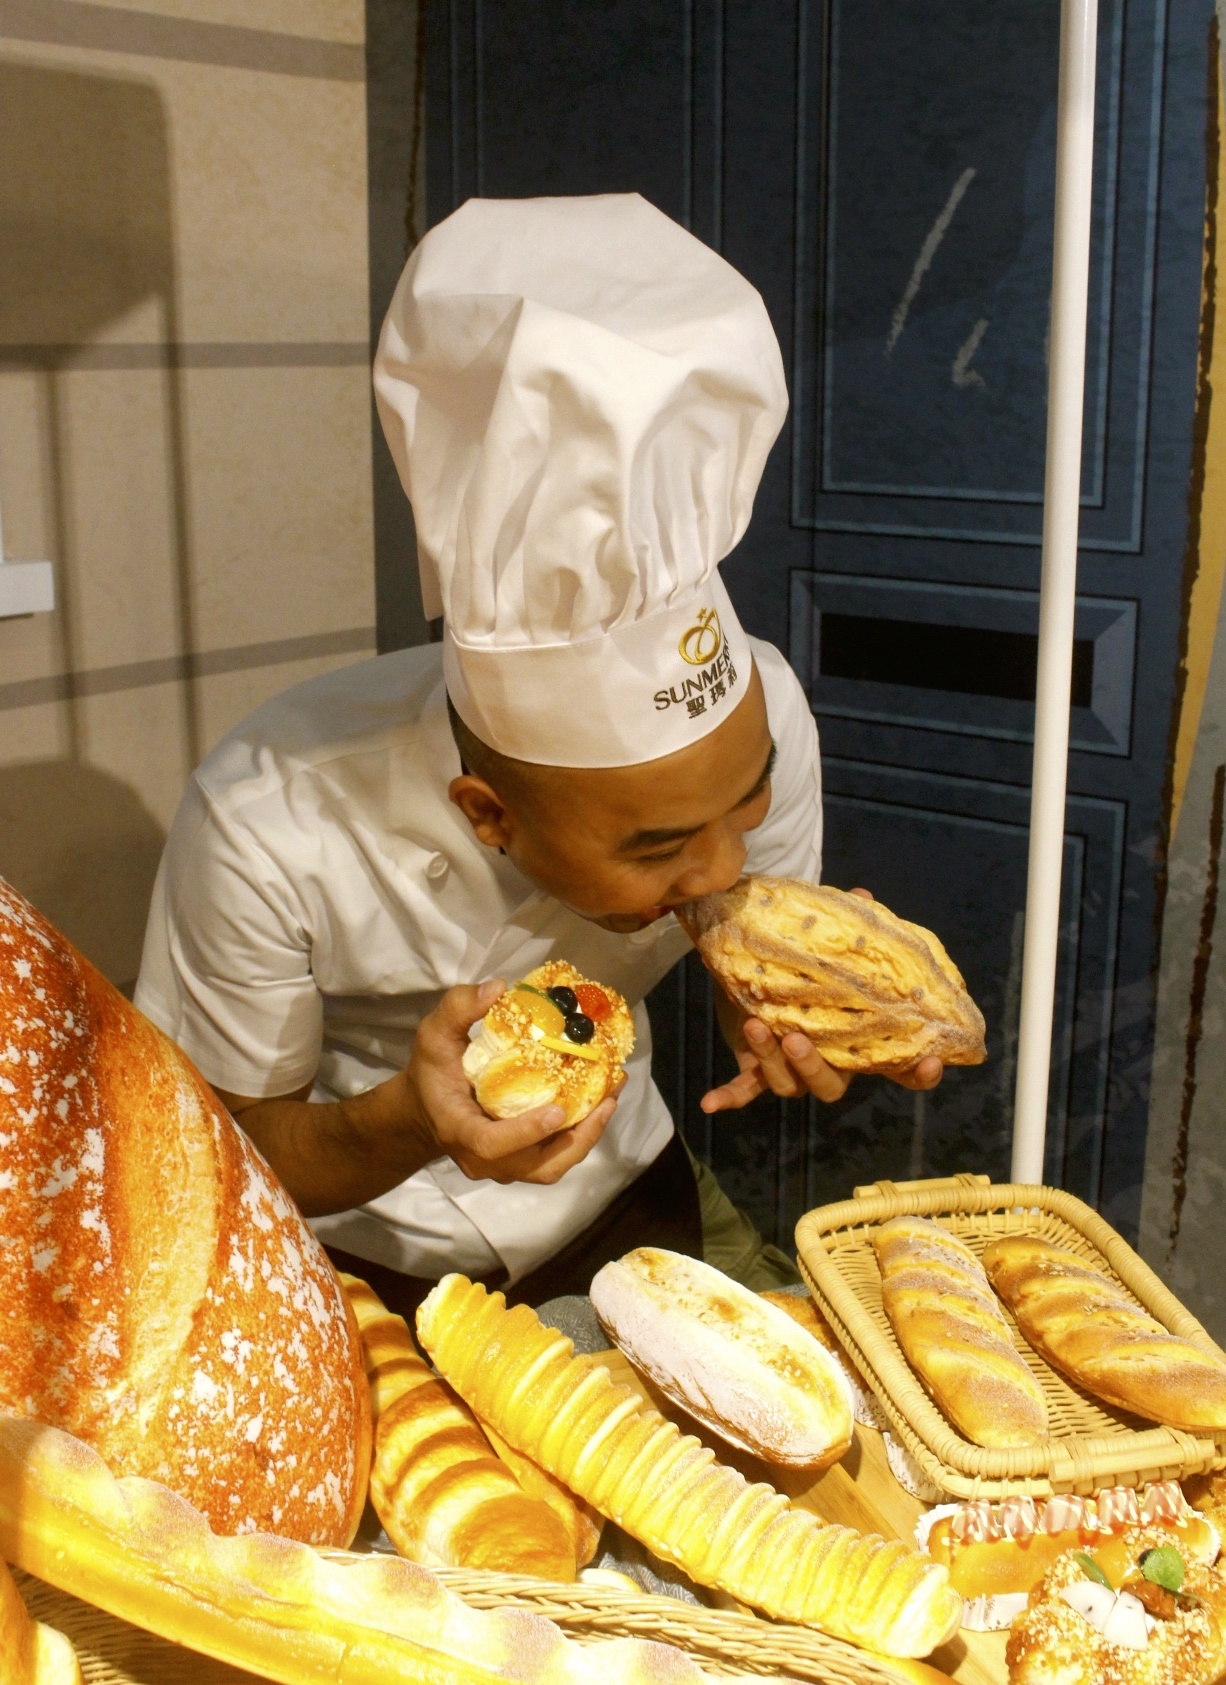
(319, 892)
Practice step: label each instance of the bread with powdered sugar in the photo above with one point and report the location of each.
(161, 1297)
(278, 1609)
(738, 1364)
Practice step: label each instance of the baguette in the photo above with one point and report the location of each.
(31, 1653)
(444, 1498)
(952, 1332)
(667, 1491)
(1095, 1333)
(279, 1609)
(870, 990)
(740, 1366)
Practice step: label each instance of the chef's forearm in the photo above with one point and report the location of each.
(334, 1155)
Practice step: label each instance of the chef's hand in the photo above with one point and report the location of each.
(533, 1147)
(333, 1155)
(789, 1066)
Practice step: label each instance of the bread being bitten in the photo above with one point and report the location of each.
(530, 1051)
(870, 991)
(739, 1365)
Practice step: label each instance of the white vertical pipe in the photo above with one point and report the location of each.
(1061, 509)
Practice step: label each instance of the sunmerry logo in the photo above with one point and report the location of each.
(702, 645)
(702, 642)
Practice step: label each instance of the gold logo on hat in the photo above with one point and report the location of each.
(701, 643)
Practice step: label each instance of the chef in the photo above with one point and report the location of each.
(580, 398)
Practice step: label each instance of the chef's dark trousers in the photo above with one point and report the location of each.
(659, 1208)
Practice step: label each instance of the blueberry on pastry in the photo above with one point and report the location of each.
(554, 1038)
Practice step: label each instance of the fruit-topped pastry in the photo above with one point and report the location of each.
(554, 1038)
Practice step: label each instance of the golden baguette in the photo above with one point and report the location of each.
(31, 1653)
(943, 1313)
(274, 1607)
(667, 1490)
(872, 992)
(444, 1498)
(1096, 1334)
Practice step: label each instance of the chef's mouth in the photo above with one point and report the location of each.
(623, 924)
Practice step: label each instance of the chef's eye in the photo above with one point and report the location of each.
(656, 859)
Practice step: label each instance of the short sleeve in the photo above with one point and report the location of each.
(788, 844)
(226, 967)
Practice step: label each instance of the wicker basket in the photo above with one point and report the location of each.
(1092, 1445)
(113, 1652)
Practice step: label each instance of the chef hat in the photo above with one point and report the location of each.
(580, 398)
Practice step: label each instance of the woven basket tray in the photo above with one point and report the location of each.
(1092, 1445)
(112, 1652)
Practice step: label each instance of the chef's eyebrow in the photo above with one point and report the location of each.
(657, 839)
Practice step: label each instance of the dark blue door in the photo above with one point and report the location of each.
(884, 174)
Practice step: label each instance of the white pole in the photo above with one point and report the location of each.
(1061, 508)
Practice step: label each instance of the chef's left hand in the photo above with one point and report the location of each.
(790, 1066)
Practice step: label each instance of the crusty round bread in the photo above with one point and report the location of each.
(871, 991)
(160, 1295)
(739, 1365)
(513, 1071)
(954, 1335)
(1096, 1334)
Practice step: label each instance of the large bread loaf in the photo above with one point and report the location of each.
(277, 1608)
(160, 1296)
(31, 1653)
(1096, 1334)
(445, 1499)
(666, 1490)
(739, 1365)
(871, 991)
(951, 1329)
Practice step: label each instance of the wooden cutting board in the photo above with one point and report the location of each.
(858, 1492)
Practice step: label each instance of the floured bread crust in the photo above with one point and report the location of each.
(864, 1407)
(160, 1295)
(954, 1334)
(739, 1365)
(513, 1071)
(871, 991)
(1052, 1644)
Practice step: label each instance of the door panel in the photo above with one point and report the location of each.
(883, 174)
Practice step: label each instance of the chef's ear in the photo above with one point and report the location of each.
(484, 809)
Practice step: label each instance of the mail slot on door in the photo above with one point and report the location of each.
(956, 658)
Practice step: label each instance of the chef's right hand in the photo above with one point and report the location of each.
(533, 1147)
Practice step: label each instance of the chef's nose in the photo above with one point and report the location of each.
(716, 867)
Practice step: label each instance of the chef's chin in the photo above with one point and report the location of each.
(625, 924)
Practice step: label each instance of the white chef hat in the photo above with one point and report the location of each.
(580, 398)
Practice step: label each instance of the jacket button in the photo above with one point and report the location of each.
(437, 867)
